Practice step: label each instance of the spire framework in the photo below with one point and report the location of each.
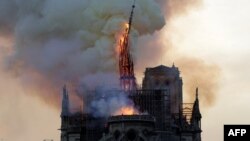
(126, 64)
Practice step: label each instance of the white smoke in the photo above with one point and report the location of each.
(62, 41)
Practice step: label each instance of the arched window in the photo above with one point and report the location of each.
(141, 139)
(131, 134)
(117, 134)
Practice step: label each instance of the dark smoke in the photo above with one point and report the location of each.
(58, 42)
(61, 41)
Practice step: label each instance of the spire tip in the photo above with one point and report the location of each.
(197, 92)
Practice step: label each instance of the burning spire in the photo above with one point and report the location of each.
(126, 65)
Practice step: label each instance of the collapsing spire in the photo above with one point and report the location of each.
(126, 65)
(131, 17)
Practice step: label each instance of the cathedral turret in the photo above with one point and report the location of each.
(196, 115)
(65, 102)
(165, 78)
(196, 119)
(64, 114)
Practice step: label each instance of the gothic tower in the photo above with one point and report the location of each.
(196, 119)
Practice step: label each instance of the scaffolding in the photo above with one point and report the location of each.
(187, 109)
(155, 103)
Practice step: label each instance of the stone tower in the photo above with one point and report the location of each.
(163, 77)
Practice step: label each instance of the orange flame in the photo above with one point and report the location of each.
(120, 37)
(126, 25)
(128, 110)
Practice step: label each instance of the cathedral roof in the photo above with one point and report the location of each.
(163, 69)
(160, 67)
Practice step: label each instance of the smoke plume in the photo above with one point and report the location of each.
(175, 8)
(58, 42)
(61, 41)
(161, 48)
(198, 73)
